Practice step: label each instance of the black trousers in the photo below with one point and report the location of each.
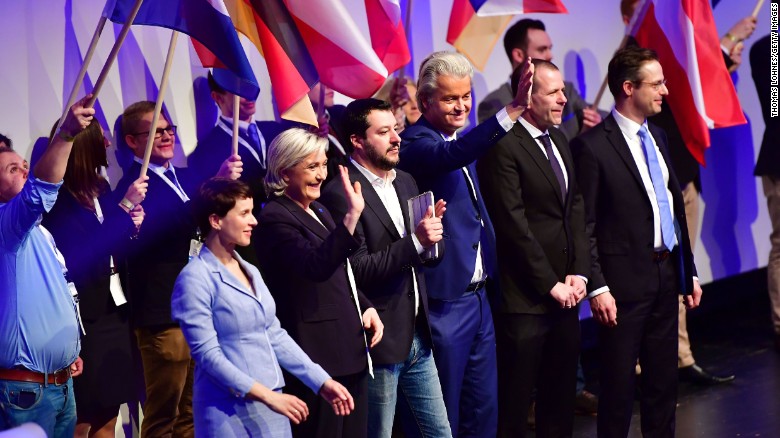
(646, 330)
(537, 351)
(322, 421)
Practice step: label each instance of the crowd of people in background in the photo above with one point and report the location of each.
(287, 290)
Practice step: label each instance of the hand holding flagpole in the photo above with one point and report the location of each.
(158, 104)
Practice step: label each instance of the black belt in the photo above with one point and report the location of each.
(473, 287)
(660, 256)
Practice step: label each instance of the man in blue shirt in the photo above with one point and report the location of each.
(39, 337)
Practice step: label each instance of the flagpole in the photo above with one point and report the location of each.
(757, 8)
(236, 100)
(321, 106)
(87, 58)
(638, 12)
(158, 104)
(114, 52)
(407, 27)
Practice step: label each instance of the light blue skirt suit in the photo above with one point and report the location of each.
(236, 340)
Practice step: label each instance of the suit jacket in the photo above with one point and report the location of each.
(769, 157)
(88, 245)
(619, 216)
(540, 236)
(236, 340)
(437, 165)
(383, 264)
(572, 112)
(161, 248)
(304, 265)
(216, 147)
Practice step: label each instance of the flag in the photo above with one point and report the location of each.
(701, 93)
(269, 26)
(344, 59)
(206, 21)
(476, 25)
(388, 37)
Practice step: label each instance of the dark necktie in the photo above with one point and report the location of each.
(254, 141)
(665, 213)
(471, 192)
(171, 177)
(556, 166)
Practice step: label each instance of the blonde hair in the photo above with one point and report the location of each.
(440, 64)
(287, 150)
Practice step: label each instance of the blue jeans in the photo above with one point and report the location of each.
(417, 381)
(52, 406)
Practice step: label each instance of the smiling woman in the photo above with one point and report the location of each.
(303, 258)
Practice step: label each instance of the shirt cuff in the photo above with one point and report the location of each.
(503, 119)
(417, 245)
(598, 292)
(695, 278)
(584, 278)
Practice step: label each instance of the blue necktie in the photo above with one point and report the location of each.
(665, 213)
(254, 140)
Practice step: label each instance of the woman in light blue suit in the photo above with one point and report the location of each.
(229, 320)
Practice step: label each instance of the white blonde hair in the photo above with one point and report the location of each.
(287, 150)
(440, 64)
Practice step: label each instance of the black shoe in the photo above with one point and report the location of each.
(586, 403)
(696, 374)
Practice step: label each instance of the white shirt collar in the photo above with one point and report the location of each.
(629, 127)
(374, 179)
(156, 168)
(533, 130)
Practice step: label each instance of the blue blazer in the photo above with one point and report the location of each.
(234, 337)
(436, 166)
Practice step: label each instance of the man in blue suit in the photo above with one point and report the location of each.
(443, 162)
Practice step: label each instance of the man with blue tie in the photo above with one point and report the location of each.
(641, 253)
(216, 146)
(441, 160)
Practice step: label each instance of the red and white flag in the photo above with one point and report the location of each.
(344, 58)
(388, 37)
(701, 93)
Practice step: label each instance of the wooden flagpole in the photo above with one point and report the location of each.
(83, 72)
(158, 104)
(114, 51)
(757, 8)
(236, 100)
(407, 28)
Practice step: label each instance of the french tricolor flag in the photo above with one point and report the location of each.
(701, 93)
(206, 21)
(388, 37)
(476, 25)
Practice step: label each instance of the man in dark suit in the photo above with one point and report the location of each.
(543, 259)
(768, 168)
(640, 248)
(442, 161)
(386, 269)
(156, 257)
(528, 38)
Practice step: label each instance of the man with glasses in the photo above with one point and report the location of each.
(162, 248)
(641, 251)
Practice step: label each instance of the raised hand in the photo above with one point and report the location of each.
(337, 395)
(523, 96)
(78, 118)
(355, 201)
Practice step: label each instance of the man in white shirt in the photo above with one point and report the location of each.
(640, 245)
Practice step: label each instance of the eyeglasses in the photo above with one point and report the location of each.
(655, 85)
(158, 133)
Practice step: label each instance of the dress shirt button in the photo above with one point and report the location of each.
(475, 246)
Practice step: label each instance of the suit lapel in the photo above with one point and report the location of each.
(304, 218)
(616, 139)
(532, 148)
(372, 200)
(568, 162)
(404, 194)
(219, 270)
